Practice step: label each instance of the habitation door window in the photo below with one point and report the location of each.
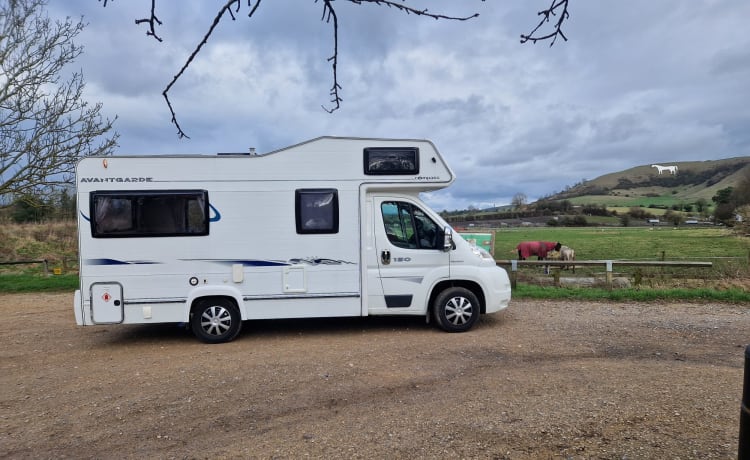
(317, 210)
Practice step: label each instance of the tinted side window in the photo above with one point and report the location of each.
(149, 214)
(317, 210)
(391, 160)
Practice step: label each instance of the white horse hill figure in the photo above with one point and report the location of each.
(661, 169)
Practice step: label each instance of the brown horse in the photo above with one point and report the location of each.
(539, 249)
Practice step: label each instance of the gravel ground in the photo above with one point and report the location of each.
(543, 379)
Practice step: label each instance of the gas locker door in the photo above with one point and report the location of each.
(106, 303)
(409, 252)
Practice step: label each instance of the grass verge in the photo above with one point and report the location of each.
(14, 283)
(731, 295)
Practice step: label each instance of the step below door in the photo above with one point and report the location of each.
(106, 303)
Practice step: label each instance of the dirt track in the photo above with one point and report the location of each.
(540, 380)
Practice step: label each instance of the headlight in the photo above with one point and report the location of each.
(481, 252)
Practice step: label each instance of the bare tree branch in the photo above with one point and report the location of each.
(557, 30)
(409, 10)
(328, 13)
(45, 125)
(330, 16)
(152, 21)
(227, 8)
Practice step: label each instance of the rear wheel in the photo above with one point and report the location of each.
(456, 309)
(216, 320)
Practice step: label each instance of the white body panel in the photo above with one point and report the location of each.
(253, 253)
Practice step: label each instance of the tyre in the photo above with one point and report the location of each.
(456, 309)
(216, 320)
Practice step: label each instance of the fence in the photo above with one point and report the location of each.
(24, 262)
(607, 264)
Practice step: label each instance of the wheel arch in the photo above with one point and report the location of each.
(473, 286)
(226, 292)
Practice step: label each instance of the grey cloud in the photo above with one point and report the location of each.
(730, 62)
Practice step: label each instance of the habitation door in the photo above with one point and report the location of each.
(409, 252)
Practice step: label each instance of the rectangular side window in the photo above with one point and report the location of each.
(407, 226)
(116, 214)
(391, 161)
(316, 210)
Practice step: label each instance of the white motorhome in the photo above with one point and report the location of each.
(327, 228)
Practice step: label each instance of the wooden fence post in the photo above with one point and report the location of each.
(609, 274)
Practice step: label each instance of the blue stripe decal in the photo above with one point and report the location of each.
(246, 263)
(319, 261)
(273, 263)
(256, 263)
(118, 262)
(84, 216)
(217, 215)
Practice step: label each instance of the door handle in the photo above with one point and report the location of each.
(385, 257)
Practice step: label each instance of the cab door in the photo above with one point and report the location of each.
(409, 253)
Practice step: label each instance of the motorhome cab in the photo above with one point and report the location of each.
(329, 227)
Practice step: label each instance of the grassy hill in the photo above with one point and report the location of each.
(643, 186)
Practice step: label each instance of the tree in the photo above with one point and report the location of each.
(701, 205)
(45, 125)
(519, 200)
(741, 192)
(60, 205)
(675, 218)
(742, 226)
(723, 196)
(30, 208)
(557, 9)
(732, 207)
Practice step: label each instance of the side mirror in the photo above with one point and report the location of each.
(448, 243)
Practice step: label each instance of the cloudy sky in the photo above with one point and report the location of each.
(638, 82)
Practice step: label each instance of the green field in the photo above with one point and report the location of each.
(630, 243)
(726, 279)
(624, 201)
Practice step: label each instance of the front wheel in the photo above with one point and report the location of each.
(456, 309)
(216, 320)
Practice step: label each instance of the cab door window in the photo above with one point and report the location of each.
(408, 227)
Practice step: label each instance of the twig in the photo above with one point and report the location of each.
(557, 32)
(328, 13)
(224, 9)
(152, 21)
